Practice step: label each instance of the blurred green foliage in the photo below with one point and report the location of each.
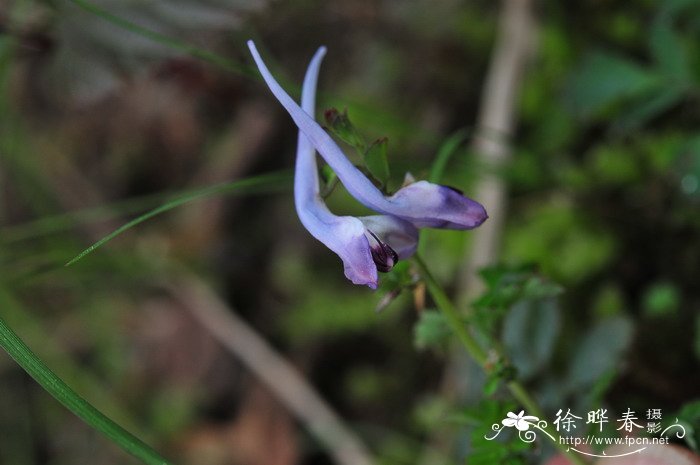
(596, 302)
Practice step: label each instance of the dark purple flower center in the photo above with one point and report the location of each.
(384, 256)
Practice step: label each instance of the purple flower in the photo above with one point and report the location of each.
(422, 203)
(366, 245)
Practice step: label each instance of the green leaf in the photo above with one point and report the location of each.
(599, 352)
(341, 126)
(445, 152)
(330, 180)
(668, 50)
(538, 288)
(376, 160)
(689, 416)
(649, 106)
(529, 332)
(603, 79)
(431, 330)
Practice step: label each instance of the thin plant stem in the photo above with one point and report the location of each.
(482, 357)
(452, 316)
(55, 386)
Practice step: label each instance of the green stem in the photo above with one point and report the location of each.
(475, 350)
(451, 314)
(55, 386)
(522, 396)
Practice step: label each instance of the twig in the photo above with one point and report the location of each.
(494, 129)
(278, 374)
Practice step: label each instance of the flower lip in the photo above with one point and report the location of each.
(437, 206)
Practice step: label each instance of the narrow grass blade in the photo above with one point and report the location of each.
(53, 224)
(264, 182)
(166, 40)
(55, 386)
(447, 149)
(437, 170)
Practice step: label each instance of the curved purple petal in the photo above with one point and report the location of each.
(425, 205)
(344, 235)
(435, 206)
(364, 245)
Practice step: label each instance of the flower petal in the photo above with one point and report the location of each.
(423, 204)
(435, 206)
(509, 422)
(344, 235)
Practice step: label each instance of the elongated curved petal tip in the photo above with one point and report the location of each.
(423, 204)
(344, 235)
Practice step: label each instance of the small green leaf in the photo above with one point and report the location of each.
(447, 149)
(529, 332)
(376, 160)
(668, 50)
(689, 417)
(537, 287)
(491, 385)
(652, 104)
(431, 330)
(341, 126)
(603, 79)
(330, 180)
(600, 351)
